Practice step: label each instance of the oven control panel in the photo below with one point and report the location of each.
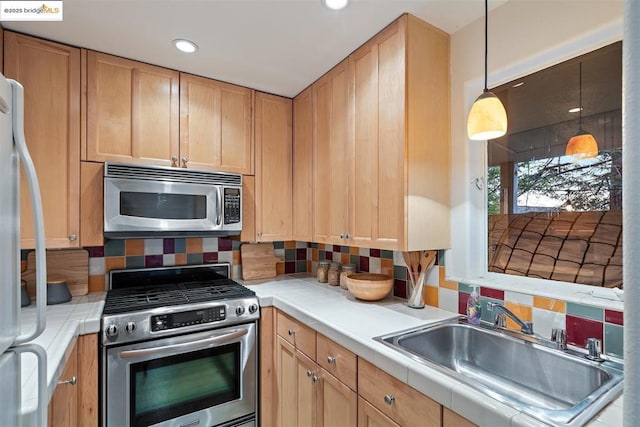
(187, 318)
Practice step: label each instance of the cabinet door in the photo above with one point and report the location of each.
(332, 154)
(303, 166)
(451, 419)
(215, 125)
(91, 204)
(273, 167)
(369, 416)
(63, 407)
(50, 74)
(132, 111)
(296, 391)
(377, 172)
(337, 403)
(88, 380)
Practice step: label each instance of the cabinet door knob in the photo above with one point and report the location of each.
(73, 237)
(309, 373)
(184, 162)
(342, 236)
(174, 161)
(315, 378)
(291, 332)
(73, 380)
(347, 236)
(331, 360)
(389, 399)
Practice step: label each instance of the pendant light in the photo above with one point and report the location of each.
(487, 117)
(582, 145)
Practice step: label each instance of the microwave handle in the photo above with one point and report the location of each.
(220, 208)
(216, 339)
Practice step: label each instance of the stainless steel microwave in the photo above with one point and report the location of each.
(148, 201)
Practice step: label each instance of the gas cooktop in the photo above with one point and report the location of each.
(146, 303)
(149, 297)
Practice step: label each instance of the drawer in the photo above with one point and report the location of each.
(338, 361)
(403, 404)
(295, 333)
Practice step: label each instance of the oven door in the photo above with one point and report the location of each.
(201, 379)
(132, 205)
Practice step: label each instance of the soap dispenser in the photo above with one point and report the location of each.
(474, 310)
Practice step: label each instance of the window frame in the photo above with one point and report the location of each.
(467, 261)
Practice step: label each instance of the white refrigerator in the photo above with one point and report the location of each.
(13, 342)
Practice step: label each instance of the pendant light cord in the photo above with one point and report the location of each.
(486, 43)
(580, 95)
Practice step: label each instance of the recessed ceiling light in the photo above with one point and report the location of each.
(575, 110)
(335, 4)
(518, 84)
(184, 45)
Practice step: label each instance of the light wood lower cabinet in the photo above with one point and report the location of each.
(395, 399)
(451, 419)
(307, 394)
(63, 407)
(317, 382)
(369, 416)
(75, 400)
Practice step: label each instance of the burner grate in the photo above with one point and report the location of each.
(147, 297)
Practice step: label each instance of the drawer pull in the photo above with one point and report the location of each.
(291, 332)
(73, 381)
(309, 373)
(389, 399)
(331, 360)
(315, 379)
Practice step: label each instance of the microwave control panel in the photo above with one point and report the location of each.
(232, 213)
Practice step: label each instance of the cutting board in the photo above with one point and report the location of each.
(258, 261)
(72, 265)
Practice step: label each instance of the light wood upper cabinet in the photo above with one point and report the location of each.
(303, 166)
(377, 79)
(332, 157)
(50, 74)
(399, 89)
(132, 111)
(381, 142)
(215, 125)
(273, 130)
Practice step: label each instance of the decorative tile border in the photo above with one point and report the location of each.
(581, 321)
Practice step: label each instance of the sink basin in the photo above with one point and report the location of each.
(557, 387)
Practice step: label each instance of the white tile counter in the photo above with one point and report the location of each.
(336, 314)
(65, 322)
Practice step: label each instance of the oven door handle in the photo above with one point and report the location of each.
(218, 339)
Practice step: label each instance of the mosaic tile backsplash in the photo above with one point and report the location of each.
(580, 321)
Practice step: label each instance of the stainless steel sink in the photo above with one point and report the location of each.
(554, 386)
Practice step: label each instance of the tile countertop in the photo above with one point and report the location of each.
(65, 322)
(351, 323)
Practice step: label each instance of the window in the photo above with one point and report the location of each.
(553, 216)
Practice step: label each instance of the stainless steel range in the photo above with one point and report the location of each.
(178, 348)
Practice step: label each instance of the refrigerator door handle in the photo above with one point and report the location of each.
(43, 398)
(38, 217)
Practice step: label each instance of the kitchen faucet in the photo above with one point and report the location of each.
(501, 311)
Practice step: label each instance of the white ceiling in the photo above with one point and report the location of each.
(275, 46)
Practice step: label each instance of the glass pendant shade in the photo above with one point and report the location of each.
(582, 146)
(487, 118)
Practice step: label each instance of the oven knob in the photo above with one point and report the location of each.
(131, 326)
(240, 310)
(253, 308)
(112, 330)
